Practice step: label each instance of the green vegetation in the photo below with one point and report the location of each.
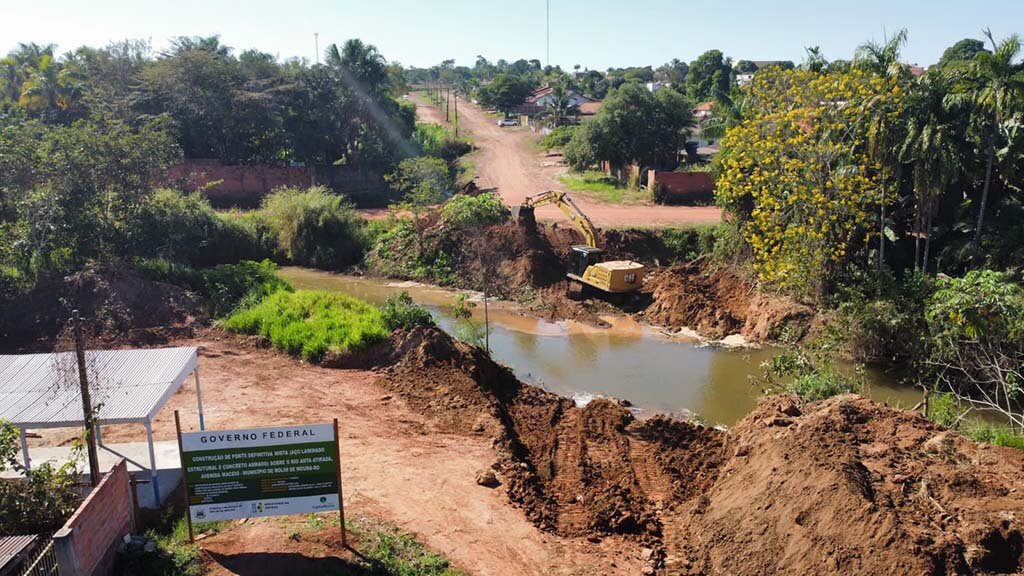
(633, 126)
(690, 243)
(174, 555)
(559, 137)
(808, 373)
(311, 324)
(243, 108)
(401, 312)
(602, 186)
(224, 288)
(315, 227)
(946, 409)
(44, 500)
(391, 552)
(438, 141)
(464, 211)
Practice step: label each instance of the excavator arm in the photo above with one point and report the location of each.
(567, 206)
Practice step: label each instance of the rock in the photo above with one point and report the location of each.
(149, 547)
(385, 398)
(646, 553)
(487, 479)
(625, 403)
(647, 570)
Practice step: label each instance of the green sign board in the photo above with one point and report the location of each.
(260, 471)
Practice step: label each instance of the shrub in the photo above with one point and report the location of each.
(808, 373)
(975, 341)
(401, 312)
(437, 141)
(464, 211)
(558, 137)
(314, 227)
(225, 287)
(312, 323)
(689, 243)
(185, 228)
(43, 501)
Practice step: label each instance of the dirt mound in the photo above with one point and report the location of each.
(716, 302)
(841, 486)
(853, 487)
(114, 302)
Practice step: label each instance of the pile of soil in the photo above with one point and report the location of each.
(114, 303)
(844, 485)
(717, 302)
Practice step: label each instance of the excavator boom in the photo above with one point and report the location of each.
(571, 211)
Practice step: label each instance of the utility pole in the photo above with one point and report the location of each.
(316, 44)
(448, 104)
(90, 418)
(547, 25)
(456, 114)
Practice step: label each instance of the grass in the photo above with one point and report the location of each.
(389, 551)
(174, 556)
(603, 187)
(311, 324)
(225, 288)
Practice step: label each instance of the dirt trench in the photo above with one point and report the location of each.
(840, 486)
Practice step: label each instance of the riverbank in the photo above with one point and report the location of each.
(596, 490)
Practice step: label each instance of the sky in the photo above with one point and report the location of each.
(595, 34)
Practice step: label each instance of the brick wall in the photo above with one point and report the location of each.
(87, 543)
(245, 186)
(682, 187)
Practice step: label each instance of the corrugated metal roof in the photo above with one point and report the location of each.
(41, 390)
(11, 547)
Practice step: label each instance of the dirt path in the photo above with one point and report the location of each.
(506, 161)
(395, 465)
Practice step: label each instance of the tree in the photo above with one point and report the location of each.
(505, 93)
(882, 59)
(635, 126)
(795, 178)
(424, 182)
(815, 60)
(50, 86)
(962, 51)
(745, 67)
(992, 86)
(361, 66)
(708, 74)
(561, 103)
(930, 147)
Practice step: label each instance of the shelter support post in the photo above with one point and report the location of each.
(152, 464)
(99, 434)
(199, 401)
(24, 449)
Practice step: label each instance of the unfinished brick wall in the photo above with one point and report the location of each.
(245, 186)
(87, 543)
(682, 187)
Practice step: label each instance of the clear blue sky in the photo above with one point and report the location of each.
(592, 33)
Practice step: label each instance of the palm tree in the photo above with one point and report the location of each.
(882, 59)
(561, 104)
(12, 75)
(993, 86)
(931, 148)
(360, 64)
(50, 86)
(815, 61)
(727, 113)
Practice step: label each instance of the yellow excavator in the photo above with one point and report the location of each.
(585, 260)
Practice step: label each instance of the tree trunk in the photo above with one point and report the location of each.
(984, 190)
(927, 239)
(917, 236)
(881, 230)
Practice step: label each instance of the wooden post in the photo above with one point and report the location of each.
(341, 500)
(83, 383)
(181, 457)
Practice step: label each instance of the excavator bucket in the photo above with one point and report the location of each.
(523, 215)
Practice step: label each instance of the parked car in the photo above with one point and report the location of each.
(508, 122)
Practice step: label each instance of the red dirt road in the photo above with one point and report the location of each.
(506, 161)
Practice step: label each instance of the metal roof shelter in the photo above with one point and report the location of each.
(129, 386)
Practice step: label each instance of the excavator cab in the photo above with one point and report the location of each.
(581, 257)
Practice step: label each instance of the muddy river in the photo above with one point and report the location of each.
(630, 360)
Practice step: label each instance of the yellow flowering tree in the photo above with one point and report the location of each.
(798, 177)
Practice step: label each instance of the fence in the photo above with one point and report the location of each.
(681, 187)
(44, 563)
(87, 543)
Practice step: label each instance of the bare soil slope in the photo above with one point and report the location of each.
(841, 486)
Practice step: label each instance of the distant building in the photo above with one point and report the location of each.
(703, 110)
(744, 79)
(655, 86)
(916, 71)
(590, 108)
(540, 99)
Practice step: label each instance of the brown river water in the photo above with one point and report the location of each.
(654, 371)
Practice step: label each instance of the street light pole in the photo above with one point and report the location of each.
(316, 44)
